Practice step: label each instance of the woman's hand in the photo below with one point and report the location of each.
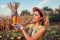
(19, 26)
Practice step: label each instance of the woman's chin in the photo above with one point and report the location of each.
(34, 21)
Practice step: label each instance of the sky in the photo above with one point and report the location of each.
(27, 4)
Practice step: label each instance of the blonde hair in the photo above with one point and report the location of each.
(46, 20)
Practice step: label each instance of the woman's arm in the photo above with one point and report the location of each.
(36, 36)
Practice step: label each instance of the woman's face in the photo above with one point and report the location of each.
(36, 17)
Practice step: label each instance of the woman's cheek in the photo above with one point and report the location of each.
(35, 19)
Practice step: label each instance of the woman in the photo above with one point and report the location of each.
(38, 28)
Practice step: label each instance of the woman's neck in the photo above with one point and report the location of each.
(36, 24)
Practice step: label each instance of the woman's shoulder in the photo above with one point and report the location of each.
(39, 28)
